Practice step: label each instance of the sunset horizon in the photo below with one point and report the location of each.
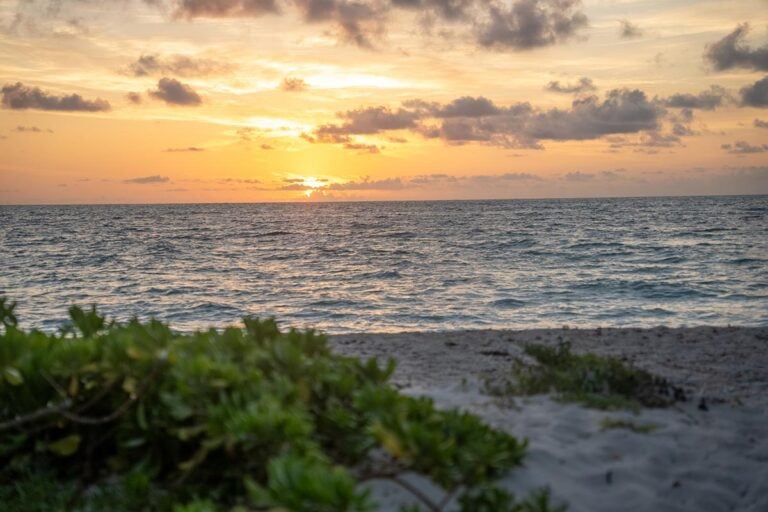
(383, 255)
(188, 101)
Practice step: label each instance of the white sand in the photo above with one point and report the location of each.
(695, 460)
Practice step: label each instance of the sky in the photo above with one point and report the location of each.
(166, 101)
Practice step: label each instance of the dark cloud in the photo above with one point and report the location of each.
(190, 149)
(363, 148)
(731, 52)
(358, 22)
(18, 96)
(755, 95)
(519, 125)
(266, 147)
(225, 8)
(366, 121)
(584, 85)
(622, 111)
(31, 129)
(628, 30)
(759, 123)
(524, 24)
(180, 65)
(715, 97)
(174, 92)
(742, 147)
(148, 180)
(293, 84)
(134, 97)
(530, 24)
(468, 106)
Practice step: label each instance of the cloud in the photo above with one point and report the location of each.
(755, 95)
(742, 147)
(18, 96)
(507, 176)
(179, 65)
(530, 24)
(584, 85)
(240, 180)
(730, 52)
(148, 180)
(290, 84)
(266, 147)
(705, 100)
(31, 129)
(174, 92)
(225, 8)
(190, 149)
(622, 111)
(628, 30)
(578, 176)
(363, 148)
(368, 184)
(521, 25)
(519, 125)
(759, 123)
(468, 106)
(134, 97)
(366, 121)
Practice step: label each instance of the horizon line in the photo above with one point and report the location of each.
(660, 196)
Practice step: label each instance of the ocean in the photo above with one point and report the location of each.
(395, 266)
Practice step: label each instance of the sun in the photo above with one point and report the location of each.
(312, 183)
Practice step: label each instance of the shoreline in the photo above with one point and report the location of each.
(689, 458)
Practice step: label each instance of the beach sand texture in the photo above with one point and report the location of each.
(711, 458)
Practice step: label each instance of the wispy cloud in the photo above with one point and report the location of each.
(148, 180)
(178, 65)
(742, 147)
(32, 129)
(628, 30)
(293, 84)
(583, 85)
(190, 149)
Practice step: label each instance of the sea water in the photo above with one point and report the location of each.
(392, 266)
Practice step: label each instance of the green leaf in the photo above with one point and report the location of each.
(65, 446)
(13, 376)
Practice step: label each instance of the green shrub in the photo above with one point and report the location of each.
(108, 416)
(592, 380)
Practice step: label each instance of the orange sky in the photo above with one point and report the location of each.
(285, 100)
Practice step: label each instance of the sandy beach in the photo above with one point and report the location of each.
(709, 453)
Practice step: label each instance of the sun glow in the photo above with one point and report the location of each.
(313, 182)
(312, 185)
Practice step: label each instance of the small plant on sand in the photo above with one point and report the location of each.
(592, 380)
(106, 416)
